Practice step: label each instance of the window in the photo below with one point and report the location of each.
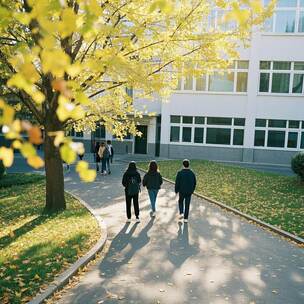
(199, 120)
(302, 140)
(276, 123)
(209, 130)
(218, 136)
(277, 133)
(174, 135)
(292, 139)
(100, 131)
(221, 82)
(199, 135)
(219, 121)
(276, 139)
(187, 119)
(233, 80)
(238, 137)
(187, 134)
(175, 119)
(73, 133)
(281, 77)
(259, 138)
(287, 17)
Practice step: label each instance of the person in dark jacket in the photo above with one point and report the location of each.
(153, 180)
(185, 184)
(97, 158)
(111, 150)
(131, 181)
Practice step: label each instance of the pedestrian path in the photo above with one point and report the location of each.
(216, 258)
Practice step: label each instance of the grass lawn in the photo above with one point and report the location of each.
(35, 247)
(275, 199)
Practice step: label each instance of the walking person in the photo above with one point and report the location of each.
(97, 157)
(109, 143)
(103, 153)
(153, 180)
(131, 181)
(185, 184)
(108, 157)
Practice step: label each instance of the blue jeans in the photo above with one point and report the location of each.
(153, 195)
(103, 165)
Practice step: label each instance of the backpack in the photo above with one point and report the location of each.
(133, 186)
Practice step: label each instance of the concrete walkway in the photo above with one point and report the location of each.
(216, 258)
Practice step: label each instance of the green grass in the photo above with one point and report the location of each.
(36, 247)
(275, 199)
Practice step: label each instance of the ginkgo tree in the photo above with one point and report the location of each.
(70, 62)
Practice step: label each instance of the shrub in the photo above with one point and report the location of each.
(297, 165)
(2, 169)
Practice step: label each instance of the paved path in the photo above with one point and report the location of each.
(216, 258)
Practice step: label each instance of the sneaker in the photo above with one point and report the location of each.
(180, 221)
(185, 220)
(153, 214)
(137, 220)
(181, 216)
(128, 221)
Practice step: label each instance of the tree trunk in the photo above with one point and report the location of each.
(55, 200)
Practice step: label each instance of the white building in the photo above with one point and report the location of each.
(252, 113)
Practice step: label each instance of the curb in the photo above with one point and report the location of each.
(64, 278)
(279, 231)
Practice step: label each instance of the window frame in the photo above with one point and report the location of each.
(204, 126)
(272, 71)
(286, 130)
(235, 70)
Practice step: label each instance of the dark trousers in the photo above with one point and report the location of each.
(129, 203)
(108, 165)
(184, 204)
(103, 165)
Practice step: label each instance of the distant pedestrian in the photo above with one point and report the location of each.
(111, 150)
(153, 180)
(108, 157)
(103, 153)
(185, 184)
(97, 157)
(131, 181)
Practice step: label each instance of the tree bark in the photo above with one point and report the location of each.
(55, 200)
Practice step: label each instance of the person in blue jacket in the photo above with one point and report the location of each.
(185, 184)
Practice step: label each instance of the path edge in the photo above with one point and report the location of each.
(64, 277)
(272, 228)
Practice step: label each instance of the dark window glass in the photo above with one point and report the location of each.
(174, 134)
(79, 134)
(292, 140)
(218, 136)
(264, 82)
(71, 132)
(295, 124)
(260, 122)
(187, 119)
(302, 140)
(281, 65)
(199, 120)
(219, 121)
(264, 65)
(297, 86)
(100, 132)
(259, 138)
(276, 139)
(303, 124)
(239, 121)
(299, 66)
(199, 135)
(186, 134)
(158, 119)
(276, 123)
(280, 83)
(174, 119)
(238, 137)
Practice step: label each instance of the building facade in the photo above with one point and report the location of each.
(253, 112)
